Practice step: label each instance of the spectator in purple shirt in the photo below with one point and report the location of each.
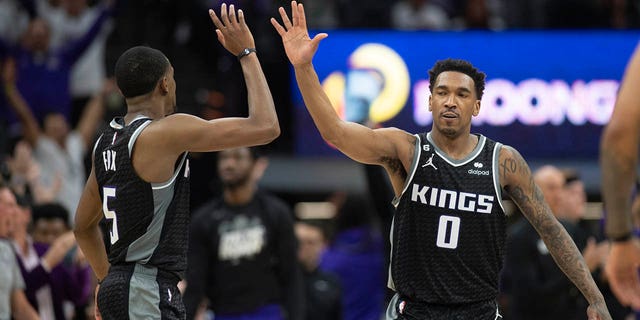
(355, 255)
(53, 273)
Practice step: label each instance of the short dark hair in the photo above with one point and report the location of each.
(139, 69)
(461, 66)
(50, 211)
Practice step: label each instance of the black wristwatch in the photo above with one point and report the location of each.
(245, 52)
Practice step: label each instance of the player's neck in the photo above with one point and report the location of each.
(239, 195)
(456, 147)
(143, 106)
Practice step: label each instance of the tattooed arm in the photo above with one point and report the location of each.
(517, 181)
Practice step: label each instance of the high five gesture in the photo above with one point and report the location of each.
(299, 47)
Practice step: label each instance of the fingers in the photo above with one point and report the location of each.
(224, 16)
(241, 18)
(302, 20)
(285, 18)
(319, 37)
(281, 31)
(220, 36)
(233, 20)
(294, 13)
(215, 19)
(227, 18)
(626, 286)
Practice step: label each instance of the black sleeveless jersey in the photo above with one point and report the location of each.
(144, 222)
(448, 233)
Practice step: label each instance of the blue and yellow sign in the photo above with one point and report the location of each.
(547, 93)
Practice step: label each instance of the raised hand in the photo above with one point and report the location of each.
(621, 270)
(299, 47)
(233, 33)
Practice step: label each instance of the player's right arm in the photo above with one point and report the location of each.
(358, 142)
(86, 230)
(618, 159)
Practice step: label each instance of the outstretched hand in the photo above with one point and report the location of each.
(299, 47)
(621, 270)
(233, 32)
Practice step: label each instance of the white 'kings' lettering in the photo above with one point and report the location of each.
(450, 199)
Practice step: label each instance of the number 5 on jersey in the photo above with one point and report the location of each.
(107, 193)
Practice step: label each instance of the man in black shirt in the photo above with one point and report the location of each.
(448, 232)
(139, 182)
(242, 248)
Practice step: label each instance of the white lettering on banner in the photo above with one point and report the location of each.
(533, 102)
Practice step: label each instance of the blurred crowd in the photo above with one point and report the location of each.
(56, 58)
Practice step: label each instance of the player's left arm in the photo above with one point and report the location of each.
(619, 152)
(517, 181)
(618, 161)
(87, 232)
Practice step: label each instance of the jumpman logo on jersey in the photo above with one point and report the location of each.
(430, 162)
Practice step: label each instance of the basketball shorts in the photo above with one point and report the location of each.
(137, 291)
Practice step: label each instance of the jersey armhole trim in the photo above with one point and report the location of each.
(414, 166)
(135, 135)
(95, 146)
(496, 173)
(162, 185)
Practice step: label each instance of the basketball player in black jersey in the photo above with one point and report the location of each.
(618, 158)
(138, 185)
(448, 231)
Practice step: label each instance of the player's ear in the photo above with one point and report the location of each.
(430, 102)
(164, 85)
(476, 108)
(259, 168)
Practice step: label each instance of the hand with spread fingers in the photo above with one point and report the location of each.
(622, 269)
(232, 30)
(299, 47)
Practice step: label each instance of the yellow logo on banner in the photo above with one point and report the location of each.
(378, 64)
